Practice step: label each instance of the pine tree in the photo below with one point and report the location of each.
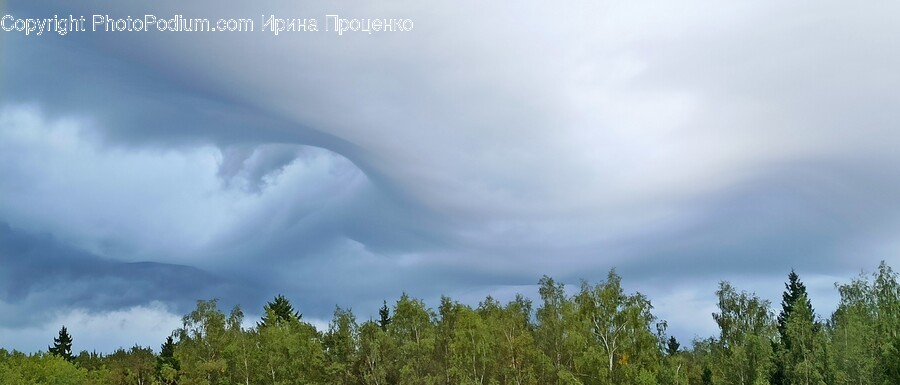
(281, 311)
(794, 300)
(672, 346)
(62, 345)
(794, 290)
(167, 349)
(166, 364)
(385, 315)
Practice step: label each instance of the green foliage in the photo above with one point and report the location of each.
(672, 346)
(554, 334)
(413, 329)
(800, 349)
(515, 349)
(376, 349)
(166, 364)
(384, 315)
(804, 359)
(744, 351)
(136, 366)
(201, 346)
(40, 369)
(289, 353)
(891, 360)
(89, 360)
(620, 336)
(62, 345)
(341, 345)
(706, 377)
(471, 360)
(601, 335)
(864, 329)
(277, 311)
(794, 290)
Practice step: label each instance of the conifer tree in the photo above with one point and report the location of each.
(385, 315)
(279, 311)
(672, 346)
(794, 296)
(62, 345)
(794, 290)
(166, 364)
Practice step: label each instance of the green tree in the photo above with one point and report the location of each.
(376, 350)
(516, 356)
(891, 360)
(600, 336)
(853, 334)
(240, 346)
(887, 327)
(278, 310)
(471, 360)
(201, 344)
(166, 364)
(803, 358)
(673, 369)
(384, 315)
(620, 330)
(794, 290)
(41, 369)
(413, 329)
(800, 351)
(698, 362)
(864, 327)
(89, 360)
(556, 333)
(62, 345)
(744, 349)
(131, 367)
(289, 352)
(341, 346)
(672, 346)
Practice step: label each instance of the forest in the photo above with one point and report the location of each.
(600, 335)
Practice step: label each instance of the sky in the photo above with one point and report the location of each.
(491, 143)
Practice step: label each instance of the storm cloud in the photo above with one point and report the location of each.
(681, 143)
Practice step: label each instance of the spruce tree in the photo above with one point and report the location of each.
(166, 364)
(794, 290)
(672, 346)
(167, 349)
(281, 311)
(62, 345)
(794, 295)
(385, 315)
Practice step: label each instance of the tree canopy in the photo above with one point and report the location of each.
(602, 334)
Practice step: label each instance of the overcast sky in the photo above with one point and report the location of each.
(682, 143)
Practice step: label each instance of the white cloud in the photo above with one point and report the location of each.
(149, 203)
(146, 325)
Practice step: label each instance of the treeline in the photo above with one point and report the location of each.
(600, 335)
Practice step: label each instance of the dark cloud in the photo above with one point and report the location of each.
(474, 154)
(816, 215)
(41, 276)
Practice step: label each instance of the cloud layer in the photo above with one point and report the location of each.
(683, 143)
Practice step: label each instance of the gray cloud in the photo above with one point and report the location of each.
(818, 215)
(42, 276)
(485, 148)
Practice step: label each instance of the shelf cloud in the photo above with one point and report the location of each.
(485, 147)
